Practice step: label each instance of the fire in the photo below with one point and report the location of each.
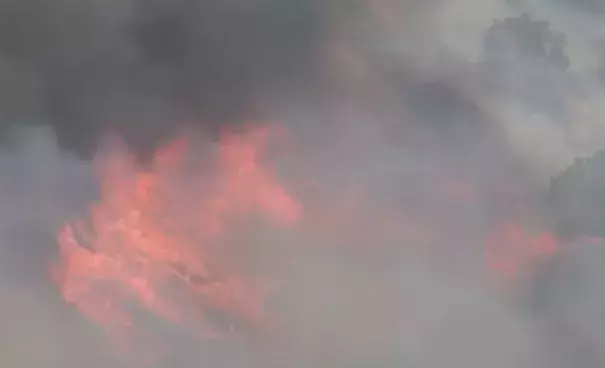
(158, 240)
(171, 241)
(511, 249)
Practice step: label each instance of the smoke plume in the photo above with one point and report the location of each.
(411, 145)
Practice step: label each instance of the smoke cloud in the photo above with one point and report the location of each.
(415, 129)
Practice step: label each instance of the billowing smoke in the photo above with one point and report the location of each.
(413, 149)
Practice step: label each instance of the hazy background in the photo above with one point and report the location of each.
(389, 102)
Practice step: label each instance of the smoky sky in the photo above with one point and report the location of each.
(144, 67)
(589, 6)
(89, 66)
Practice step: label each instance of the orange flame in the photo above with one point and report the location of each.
(161, 242)
(147, 238)
(511, 249)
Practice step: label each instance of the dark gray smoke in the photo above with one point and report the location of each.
(133, 65)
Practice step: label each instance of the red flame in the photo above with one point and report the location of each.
(147, 237)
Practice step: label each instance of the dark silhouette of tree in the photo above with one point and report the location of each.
(576, 198)
(566, 293)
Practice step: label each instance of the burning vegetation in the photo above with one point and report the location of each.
(158, 240)
(182, 242)
(382, 222)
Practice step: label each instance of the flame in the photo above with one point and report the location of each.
(158, 240)
(166, 241)
(512, 249)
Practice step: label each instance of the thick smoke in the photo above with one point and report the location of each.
(453, 115)
(133, 65)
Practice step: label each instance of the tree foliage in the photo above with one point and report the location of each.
(576, 198)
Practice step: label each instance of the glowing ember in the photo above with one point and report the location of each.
(158, 241)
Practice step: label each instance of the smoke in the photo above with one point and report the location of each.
(443, 118)
(132, 65)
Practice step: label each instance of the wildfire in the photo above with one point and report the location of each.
(157, 241)
(170, 241)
